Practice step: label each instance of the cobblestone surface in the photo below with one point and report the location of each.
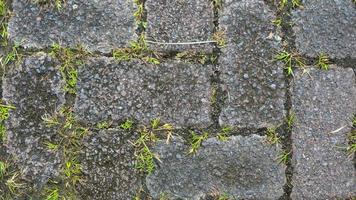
(324, 104)
(179, 21)
(254, 84)
(242, 167)
(326, 27)
(240, 87)
(109, 166)
(34, 88)
(97, 25)
(176, 92)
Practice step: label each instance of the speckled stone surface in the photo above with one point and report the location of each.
(34, 88)
(326, 26)
(242, 167)
(97, 25)
(177, 21)
(254, 83)
(324, 105)
(108, 163)
(176, 92)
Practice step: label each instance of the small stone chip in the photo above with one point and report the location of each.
(324, 103)
(327, 27)
(109, 166)
(241, 167)
(177, 21)
(97, 25)
(176, 92)
(34, 87)
(254, 83)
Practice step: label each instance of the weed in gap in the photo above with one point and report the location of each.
(144, 156)
(290, 60)
(70, 60)
(3, 169)
(223, 135)
(137, 50)
(127, 125)
(283, 157)
(323, 61)
(351, 149)
(220, 38)
(291, 120)
(196, 141)
(4, 115)
(277, 21)
(103, 125)
(272, 136)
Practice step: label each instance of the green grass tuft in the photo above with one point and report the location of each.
(4, 115)
(272, 136)
(196, 141)
(283, 157)
(127, 125)
(3, 169)
(290, 61)
(291, 119)
(103, 125)
(144, 155)
(323, 62)
(220, 38)
(137, 50)
(70, 60)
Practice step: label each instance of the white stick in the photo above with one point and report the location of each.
(180, 43)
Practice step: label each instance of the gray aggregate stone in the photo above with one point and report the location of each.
(242, 167)
(97, 25)
(109, 166)
(254, 83)
(176, 92)
(34, 87)
(326, 27)
(324, 104)
(179, 21)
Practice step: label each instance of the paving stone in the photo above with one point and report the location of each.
(176, 92)
(180, 21)
(242, 167)
(97, 25)
(326, 27)
(34, 88)
(109, 166)
(324, 104)
(254, 83)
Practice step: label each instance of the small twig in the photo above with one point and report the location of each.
(180, 43)
(337, 130)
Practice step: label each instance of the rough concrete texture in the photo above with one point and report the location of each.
(176, 92)
(179, 21)
(242, 167)
(326, 26)
(253, 81)
(34, 87)
(97, 25)
(108, 163)
(324, 104)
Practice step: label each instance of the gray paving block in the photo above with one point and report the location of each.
(179, 21)
(176, 92)
(108, 163)
(324, 104)
(254, 83)
(242, 168)
(326, 27)
(97, 25)
(34, 87)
